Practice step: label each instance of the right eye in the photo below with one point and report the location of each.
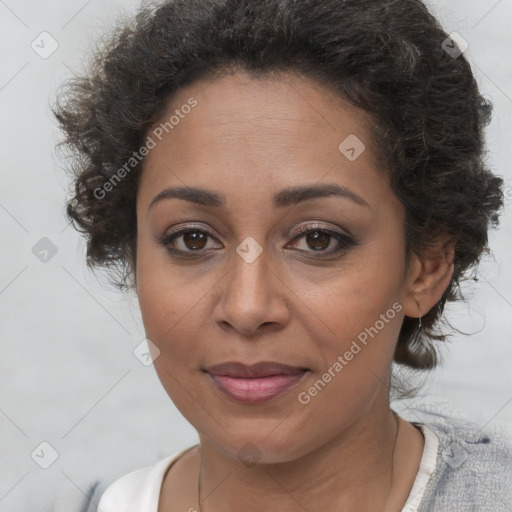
(189, 240)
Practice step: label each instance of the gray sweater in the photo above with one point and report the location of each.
(473, 469)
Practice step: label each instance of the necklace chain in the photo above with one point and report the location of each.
(390, 484)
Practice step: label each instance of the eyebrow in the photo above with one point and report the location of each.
(285, 198)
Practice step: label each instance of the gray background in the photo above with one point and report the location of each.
(68, 374)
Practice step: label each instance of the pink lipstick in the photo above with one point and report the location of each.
(255, 383)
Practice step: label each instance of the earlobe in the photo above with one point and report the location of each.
(429, 277)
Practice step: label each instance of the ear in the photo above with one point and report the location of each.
(428, 276)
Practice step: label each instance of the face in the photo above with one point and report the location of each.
(295, 255)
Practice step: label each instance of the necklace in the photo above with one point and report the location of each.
(390, 484)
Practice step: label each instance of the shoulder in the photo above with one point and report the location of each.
(473, 467)
(138, 491)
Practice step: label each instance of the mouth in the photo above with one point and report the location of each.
(255, 383)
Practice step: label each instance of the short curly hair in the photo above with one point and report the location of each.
(386, 57)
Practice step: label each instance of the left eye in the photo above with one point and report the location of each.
(320, 239)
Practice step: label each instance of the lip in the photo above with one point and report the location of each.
(261, 369)
(257, 382)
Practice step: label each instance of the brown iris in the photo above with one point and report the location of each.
(194, 239)
(315, 238)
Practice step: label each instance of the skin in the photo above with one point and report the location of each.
(248, 139)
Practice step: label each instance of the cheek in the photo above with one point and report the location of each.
(172, 317)
(174, 307)
(361, 307)
(357, 302)
(171, 314)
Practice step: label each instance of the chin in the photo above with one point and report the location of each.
(253, 445)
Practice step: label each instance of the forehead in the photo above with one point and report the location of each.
(259, 107)
(258, 134)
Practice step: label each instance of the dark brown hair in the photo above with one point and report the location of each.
(386, 57)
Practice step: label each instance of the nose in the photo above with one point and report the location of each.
(252, 300)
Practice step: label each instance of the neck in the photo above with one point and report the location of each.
(353, 471)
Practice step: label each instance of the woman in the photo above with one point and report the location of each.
(293, 189)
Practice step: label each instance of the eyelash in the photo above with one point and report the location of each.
(345, 241)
